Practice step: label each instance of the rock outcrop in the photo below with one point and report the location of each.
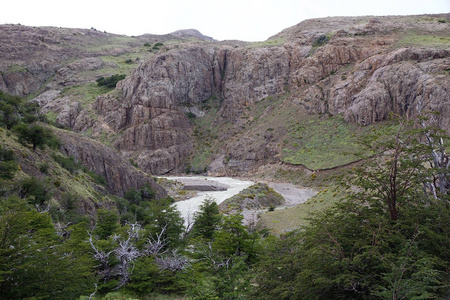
(156, 131)
(119, 173)
(355, 67)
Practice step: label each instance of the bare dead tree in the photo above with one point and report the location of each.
(156, 244)
(127, 253)
(189, 222)
(102, 257)
(93, 294)
(207, 252)
(43, 209)
(172, 261)
(61, 229)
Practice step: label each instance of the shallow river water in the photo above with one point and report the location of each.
(188, 207)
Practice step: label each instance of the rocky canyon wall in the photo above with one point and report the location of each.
(361, 71)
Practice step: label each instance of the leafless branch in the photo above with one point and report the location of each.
(172, 262)
(155, 245)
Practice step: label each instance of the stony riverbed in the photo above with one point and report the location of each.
(291, 193)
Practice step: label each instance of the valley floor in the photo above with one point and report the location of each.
(290, 192)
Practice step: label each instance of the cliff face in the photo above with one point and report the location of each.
(119, 174)
(360, 68)
(151, 113)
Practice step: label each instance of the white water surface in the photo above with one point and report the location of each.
(188, 207)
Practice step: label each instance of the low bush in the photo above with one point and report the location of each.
(110, 81)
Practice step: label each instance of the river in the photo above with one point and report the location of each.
(291, 193)
(188, 207)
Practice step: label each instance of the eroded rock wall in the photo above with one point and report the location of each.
(119, 173)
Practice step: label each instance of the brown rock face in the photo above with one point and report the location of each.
(119, 173)
(251, 75)
(156, 131)
(405, 79)
(348, 66)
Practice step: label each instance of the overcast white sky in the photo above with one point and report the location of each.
(248, 20)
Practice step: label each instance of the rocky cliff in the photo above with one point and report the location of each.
(163, 115)
(361, 68)
(119, 174)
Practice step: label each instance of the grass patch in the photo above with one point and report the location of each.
(86, 94)
(413, 39)
(205, 135)
(15, 68)
(267, 43)
(323, 142)
(257, 196)
(51, 116)
(288, 219)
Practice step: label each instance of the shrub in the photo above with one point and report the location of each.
(36, 135)
(67, 163)
(34, 190)
(321, 40)
(191, 115)
(110, 81)
(7, 169)
(44, 168)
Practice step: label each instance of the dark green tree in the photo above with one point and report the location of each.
(9, 110)
(34, 262)
(110, 81)
(35, 135)
(107, 223)
(207, 219)
(168, 219)
(8, 166)
(34, 190)
(233, 239)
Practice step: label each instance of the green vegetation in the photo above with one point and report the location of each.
(268, 43)
(205, 136)
(157, 46)
(72, 166)
(321, 40)
(14, 68)
(36, 135)
(326, 142)
(257, 196)
(110, 81)
(85, 94)
(381, 242)
(283, 220)
(417, 39)
(8, 165)
(206, 220)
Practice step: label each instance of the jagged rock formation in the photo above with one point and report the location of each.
(359, 70)
(362, 68)
(119, 173)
